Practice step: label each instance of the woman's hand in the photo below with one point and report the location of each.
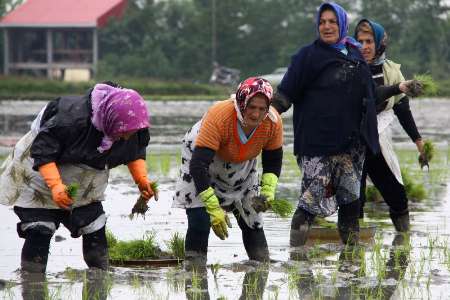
(412, 88)
(147, 192)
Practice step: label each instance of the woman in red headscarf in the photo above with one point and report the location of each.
(218, 172)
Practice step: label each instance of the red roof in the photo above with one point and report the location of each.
(64, 13)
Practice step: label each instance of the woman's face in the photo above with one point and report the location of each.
(328, 27)
(256, 111)
(368, 46)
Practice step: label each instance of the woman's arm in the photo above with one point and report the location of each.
(199, 167)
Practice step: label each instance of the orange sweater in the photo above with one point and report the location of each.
(219, 133)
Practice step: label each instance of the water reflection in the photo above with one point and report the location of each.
(97, 285)
(253, 284)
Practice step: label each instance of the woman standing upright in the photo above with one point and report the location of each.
(331, 88)
(383, 168)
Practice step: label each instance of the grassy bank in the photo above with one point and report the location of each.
(27, 88)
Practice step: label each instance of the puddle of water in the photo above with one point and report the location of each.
(376, 271)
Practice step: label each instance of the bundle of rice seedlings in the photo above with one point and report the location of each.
(141, 207)
(429, 86)
(144, 248)
(428, 154)
(176, 245)
(72, 190)
(282, 207)
(429, 149)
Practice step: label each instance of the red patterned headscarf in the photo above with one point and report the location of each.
(249, 88)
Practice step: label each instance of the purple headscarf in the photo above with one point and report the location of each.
(116, 111)
(341, 16)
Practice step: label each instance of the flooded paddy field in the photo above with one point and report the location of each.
(389, 266)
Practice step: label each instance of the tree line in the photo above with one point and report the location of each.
(179, 39)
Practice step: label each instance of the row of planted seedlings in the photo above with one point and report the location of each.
(376, 271)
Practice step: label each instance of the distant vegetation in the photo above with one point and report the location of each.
(172, 40)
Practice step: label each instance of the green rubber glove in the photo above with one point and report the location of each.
(268, 186)
(219, 219)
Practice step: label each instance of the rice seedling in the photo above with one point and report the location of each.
(144, 248)
(176, 245)
(282, 207)
(175, 283)
(215, 269)
(72, 190)
(293, 278)
(429, 150)
(195, 291)
(251, 284)
(141, 206)
(429, 86)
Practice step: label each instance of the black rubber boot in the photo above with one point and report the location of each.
(254, 240)
(300, 226)
(400, 220)
(95, 249)
(35, 249)
(348, 224)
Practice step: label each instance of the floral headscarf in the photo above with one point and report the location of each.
(341, 16)
(249, 88)
(116, 111)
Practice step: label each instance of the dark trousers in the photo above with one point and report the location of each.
(393, 192)
(199, 228)
(36, 247)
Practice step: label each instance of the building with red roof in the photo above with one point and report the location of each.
(48, 37)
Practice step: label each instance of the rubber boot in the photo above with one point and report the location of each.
(400, 220)
(35, 250)
(348, 224)
(300, 226)
(95, 249)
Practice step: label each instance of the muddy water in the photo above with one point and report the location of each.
(325, 274)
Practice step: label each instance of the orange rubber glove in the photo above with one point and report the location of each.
(53, 180)
(138, 170)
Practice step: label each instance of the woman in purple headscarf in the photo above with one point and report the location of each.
(75, 140)
(330, 86)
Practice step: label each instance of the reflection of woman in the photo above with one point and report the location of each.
(331, 89)
(75, 140)
(383, 168)
(219, 173)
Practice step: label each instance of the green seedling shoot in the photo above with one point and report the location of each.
(429, 86)
(72, 190)
(428, 154)
(282, 207)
